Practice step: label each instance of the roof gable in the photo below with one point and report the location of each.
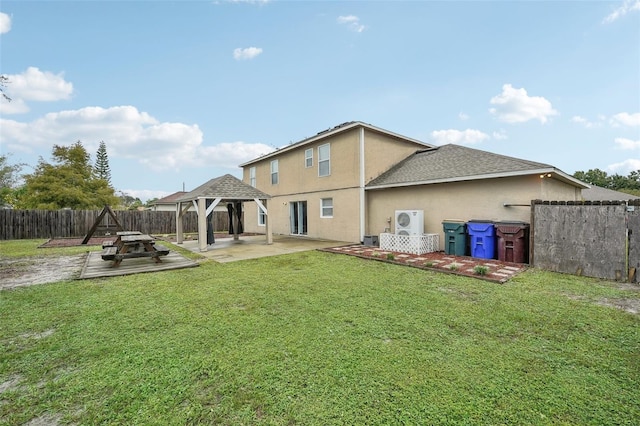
(227, 187)
(325, 134)
(169, 199)
(448, 163)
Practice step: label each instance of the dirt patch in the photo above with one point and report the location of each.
(72, 242)
(24, 272)
(628, 305)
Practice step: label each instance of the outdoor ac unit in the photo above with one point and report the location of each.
(409, 222)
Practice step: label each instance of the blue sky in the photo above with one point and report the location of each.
(184, 91)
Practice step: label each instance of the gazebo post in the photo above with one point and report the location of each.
(267, 223)
(202, 223)
(179, 226)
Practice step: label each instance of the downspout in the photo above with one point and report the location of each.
(361, 188)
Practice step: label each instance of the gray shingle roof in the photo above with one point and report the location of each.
(597, 193)
(169, 199)
(454, 162)
(227, 187)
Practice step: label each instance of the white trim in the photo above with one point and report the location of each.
(322, 207)
(328, 160)
(361, 192)
(213, 205)
(308, 166)
(260, 205)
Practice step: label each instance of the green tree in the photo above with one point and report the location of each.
(102, 169)
(68, 183)
(9, 177)
(129, 202)
(594, 177)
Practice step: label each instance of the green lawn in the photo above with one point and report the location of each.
(318, 339)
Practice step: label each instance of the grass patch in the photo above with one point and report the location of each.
(481, 269)
(316, 338)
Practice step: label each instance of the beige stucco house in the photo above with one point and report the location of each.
(347, 182)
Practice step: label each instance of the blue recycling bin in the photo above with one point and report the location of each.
(482, 239)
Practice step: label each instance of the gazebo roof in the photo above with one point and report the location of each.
(227, 187)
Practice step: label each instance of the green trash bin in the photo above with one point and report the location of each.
(455, 237)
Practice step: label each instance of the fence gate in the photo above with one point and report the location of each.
(585, 239)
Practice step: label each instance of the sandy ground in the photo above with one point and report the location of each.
(23, 272)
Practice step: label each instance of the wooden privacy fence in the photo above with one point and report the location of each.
(28, 224)
(596, 239)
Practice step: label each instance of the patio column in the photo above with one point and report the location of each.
(267, 223)
(179, 226)
(202, 224)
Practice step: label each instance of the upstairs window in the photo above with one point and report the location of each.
(274, 172)
(324, 160)
(308, 158)
(252, 176)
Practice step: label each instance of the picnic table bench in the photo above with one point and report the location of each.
(132, 244)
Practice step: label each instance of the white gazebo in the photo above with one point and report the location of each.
(224, 189)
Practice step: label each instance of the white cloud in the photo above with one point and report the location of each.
(469, 136)
(5, 23)
(500, 135)
(585, 122)
(515, 106)
(130, 134)
(625, 167)
(626, 7)
(627, 144)
(246, 53)
(352, 22)
(625, 119)
(34, 85)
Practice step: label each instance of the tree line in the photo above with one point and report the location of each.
(69, 181)
(629, 184)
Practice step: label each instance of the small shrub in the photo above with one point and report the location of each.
(454, 267)
(481, 269)
(429, 264)
(390, 256)
(375, 254)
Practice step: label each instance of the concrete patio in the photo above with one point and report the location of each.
(253, 247)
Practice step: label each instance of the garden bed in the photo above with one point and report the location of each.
(486, 269)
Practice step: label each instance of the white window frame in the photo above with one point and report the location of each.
(308, 158)
(252, 176)
(275, 178)
(322, 161)
(324, 207)
(262, 218)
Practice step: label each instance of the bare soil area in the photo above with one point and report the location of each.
(24, 272)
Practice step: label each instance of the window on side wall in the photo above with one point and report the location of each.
(252, 176)
(326, 207)
(324, 160)
(274, 172)
(262, 218)
(308, 158)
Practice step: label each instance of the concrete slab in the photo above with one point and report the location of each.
(253, 247)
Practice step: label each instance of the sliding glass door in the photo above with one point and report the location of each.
(298, 217)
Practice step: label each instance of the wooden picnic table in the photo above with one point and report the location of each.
(130, 244)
